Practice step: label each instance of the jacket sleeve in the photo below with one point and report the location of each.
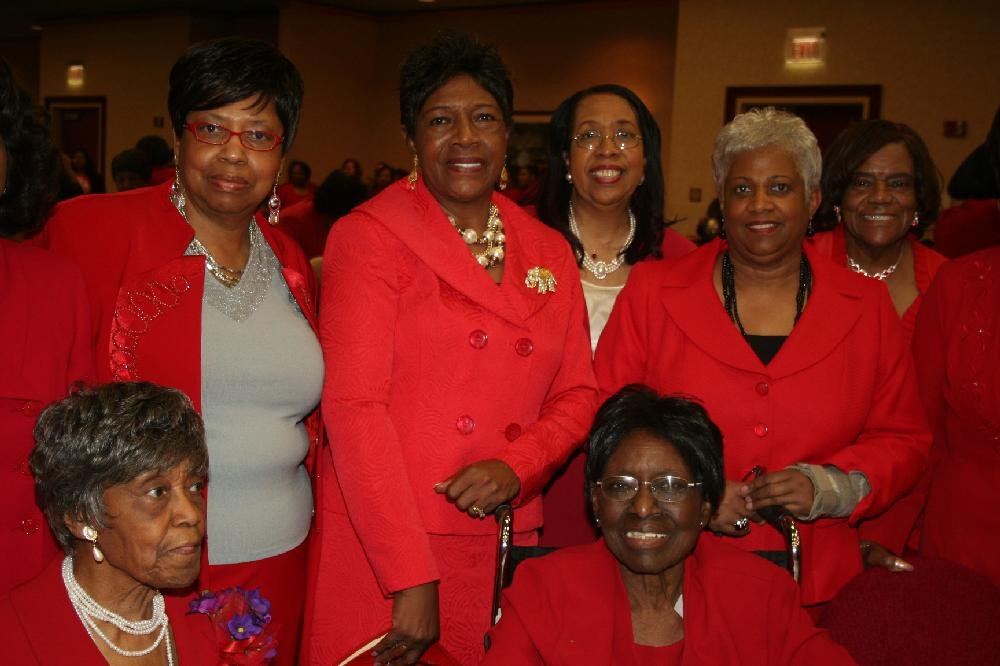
(568, 409)
(892, 448)
(357, 326)
(622, 352)
(792, 636)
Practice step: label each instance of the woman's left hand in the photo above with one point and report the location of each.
(788, 488)
(480, 487)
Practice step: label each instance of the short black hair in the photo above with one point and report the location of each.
(859, 142)
(105, 436)
(675, 420)
(218, 72)
(157, 149)
(32, 162)
(305, 167)
(134, 161)
(647, 200)
(449, 54)
(338, 194)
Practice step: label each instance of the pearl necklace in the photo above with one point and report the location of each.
(602, 269)
(880, 275)
(493, 238)
(88, 610)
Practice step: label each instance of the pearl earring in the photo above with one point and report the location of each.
(90, 534)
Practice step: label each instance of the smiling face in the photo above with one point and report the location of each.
(649, 537)
(606, 175)
(460, 140)
(156, 524)
(229, 180)
(880, 199)
(765, 206)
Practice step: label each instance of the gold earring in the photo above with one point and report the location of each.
(504, 177)
(411, 180)
(90, 534)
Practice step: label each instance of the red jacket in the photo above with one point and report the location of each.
(44, 350)
(957, 348)
(571, 607)
(41, 627)
(841, 390)
(146, 296)
(431, 366)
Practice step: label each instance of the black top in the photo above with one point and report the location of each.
(766, 346)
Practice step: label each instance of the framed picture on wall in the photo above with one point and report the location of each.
(78, 123)
(527, 154)
(827, 110)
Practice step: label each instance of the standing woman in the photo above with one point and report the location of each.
(459, 378)
(44, 350)
(604, 194)
(190, 290)
(880, 190)
(800, 362)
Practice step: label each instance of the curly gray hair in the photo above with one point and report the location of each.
(764, 128)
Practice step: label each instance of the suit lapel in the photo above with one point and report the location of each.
(418, 221)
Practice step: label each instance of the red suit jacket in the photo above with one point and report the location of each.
(896, 528)
(146, 296)
(432, 366)
(841, 390)
(41, 627)
(44, 350)
(571, 607)
(957, 348)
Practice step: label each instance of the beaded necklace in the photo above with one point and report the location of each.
(493, 238)
(729, 290)
(602, 269)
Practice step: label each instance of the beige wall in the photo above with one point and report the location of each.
(936, 61)
(128, 61)
(351, 65)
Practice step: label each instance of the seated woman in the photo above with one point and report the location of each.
(118, 472)
(655, 588)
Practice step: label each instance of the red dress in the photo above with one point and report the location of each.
(432, 366)
(840, 391)
(571, 607)
(896, 528)
(971, 226)
(307, 227)
(40, 626)
(567, 511)
(146, 304)
(957, 348)
(44, 350)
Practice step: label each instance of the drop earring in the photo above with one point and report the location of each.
(273, 206)
(177, 193)
(569, 178)
(90, 534)
(411, 180)
(504, 176)
(836, 212)
(810, 230)
(916, 219)
(722, 228)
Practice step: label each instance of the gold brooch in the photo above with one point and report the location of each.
(541, 279)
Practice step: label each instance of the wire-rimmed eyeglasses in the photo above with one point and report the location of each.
(663, 488)
(621, 139)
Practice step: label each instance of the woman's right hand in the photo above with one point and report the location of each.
(415, 625)
(875, 555)
(731, 509)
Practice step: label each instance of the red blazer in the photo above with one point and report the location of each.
(571, 607)
(841, 390)
(44, 350)
(957, 348)
(432, 366)
(41, 627)
(146, 296)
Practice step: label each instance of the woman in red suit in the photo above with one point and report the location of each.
(957, 350)
(458, 373)
(880, 191)
(656, 589)
(604, 193)
(44, 327)
(190, 290)
(800, 362)
(119, 471)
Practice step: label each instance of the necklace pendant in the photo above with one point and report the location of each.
(600, 270)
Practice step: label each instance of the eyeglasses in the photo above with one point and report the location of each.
(663, 488)
(621, 139)
(218, 135)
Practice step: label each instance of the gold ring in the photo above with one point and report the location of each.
(477, 512)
